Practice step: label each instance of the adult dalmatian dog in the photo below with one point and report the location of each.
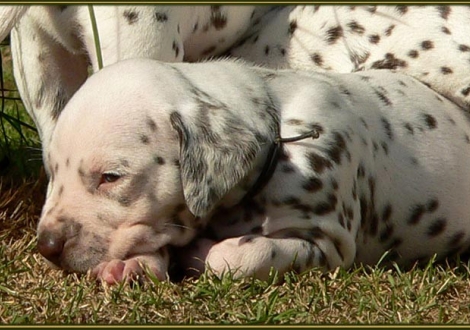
(430, 43)
(249, 169)
(52, 46)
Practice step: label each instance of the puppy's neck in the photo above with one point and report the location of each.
(255, 181)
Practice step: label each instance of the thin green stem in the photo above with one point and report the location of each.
(96, 36)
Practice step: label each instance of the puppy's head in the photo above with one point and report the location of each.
(138, 158)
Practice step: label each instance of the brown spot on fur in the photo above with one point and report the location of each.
(427, 45)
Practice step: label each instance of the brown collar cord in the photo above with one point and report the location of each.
(272, 160)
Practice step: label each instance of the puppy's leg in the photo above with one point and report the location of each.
(47, 75)
(256, 255)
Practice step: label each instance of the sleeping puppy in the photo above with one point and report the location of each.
(286, 170)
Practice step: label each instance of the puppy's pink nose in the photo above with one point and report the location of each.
(51, 245)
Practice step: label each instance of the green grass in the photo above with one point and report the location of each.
(32, 293)
(19, 142)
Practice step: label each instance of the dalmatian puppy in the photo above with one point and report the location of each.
(52, 46)
(248, 169)
(430, 43)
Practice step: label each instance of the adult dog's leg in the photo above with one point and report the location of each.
(47, 75)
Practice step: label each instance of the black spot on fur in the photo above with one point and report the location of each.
(413, 53)
(266, 50)
(465, 91)
(430, 121)
(151, 124)
(374, 39)
(159, 160)
(386, 233)
(209, 50)
(390, 62)
(389, 30)
(432, 205)
(318, 163)
(387, 127)
(464, 48)
(445, 30)
(437, 227)
(144, 139)
(409, 128)
(292, 27)
(312, 184)
(446, 70)
(355, 27)
(131, 16)
(317, 59)
(416, 214)
(401, 9)
(326, 207)
(176, 48)
(427, 45)
(456, 240)
(161, 17)
(218, 20)
(444, 11)
(333, 34)
(387, 212)
(337, 147)
(383, 97)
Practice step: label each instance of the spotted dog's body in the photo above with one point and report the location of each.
(171, 152)
(52, 46)
(430, 43)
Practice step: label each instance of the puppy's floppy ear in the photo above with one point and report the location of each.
(214, 156)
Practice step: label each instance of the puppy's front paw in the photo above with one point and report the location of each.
(115, 271)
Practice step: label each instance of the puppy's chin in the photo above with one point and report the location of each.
(51, 264)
